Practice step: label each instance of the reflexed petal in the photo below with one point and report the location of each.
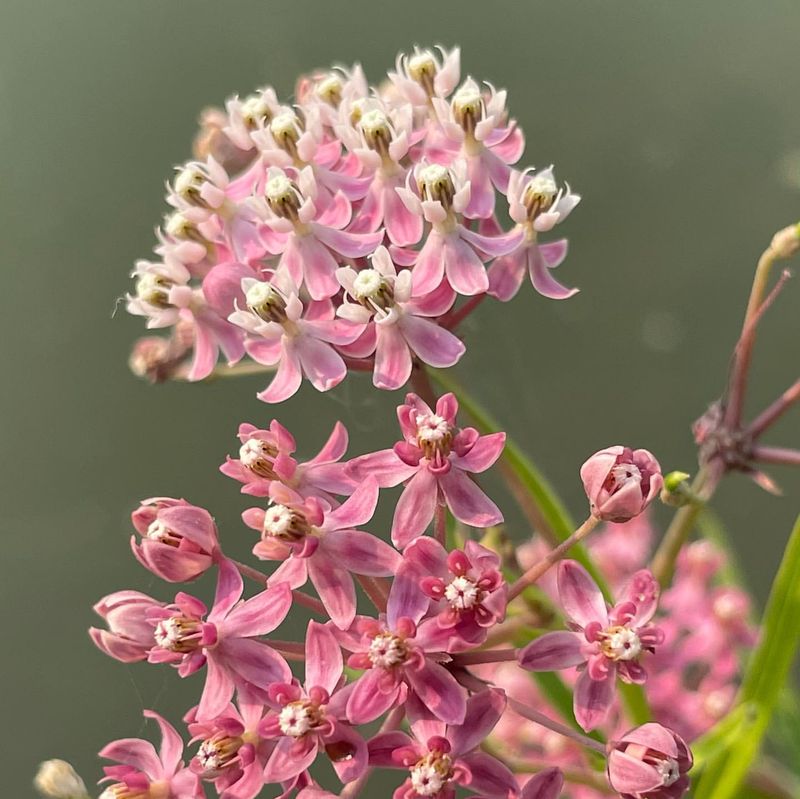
(439, 691)
(592, 700)
(580, 597)
(323, 658)
(552, 652)
(467, 500)
(415, 508)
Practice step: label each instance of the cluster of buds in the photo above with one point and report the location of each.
(339, 232)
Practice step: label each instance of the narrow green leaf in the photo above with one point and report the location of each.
(764, 679)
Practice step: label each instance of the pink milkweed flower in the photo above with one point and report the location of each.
(129, 636)
(424, 74)
(165, 297)
(400, 327)
(435, 458)
(476, 122)
(179, 541)
(380, 137)
(403, 663)
(231, 752)
(266, 456)
(251, 114)
(281, 336)
(603, 642)
(466, 589)
(621, 482)
(536, 204)
(312, 718)
(226, 642)
(310, 241)
(145, 773)
(649, 762)
(444, 757)
(319, 543)
(451, 251)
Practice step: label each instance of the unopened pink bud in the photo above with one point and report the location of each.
(129, 635)
(650, 761)
(621, 482)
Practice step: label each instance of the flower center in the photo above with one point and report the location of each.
(255, 109)
(284, 523)
(153, 288)
(462, 593)
(256, 455)
(669, 771)
(179, 227)
(179, 634)
(431, 774)
(376, 130)
(468, 106)
(218, 752)
(283, 197)
(620, 643)
(436, 183)
(266, 302)
(329, 89)
(422, 68)
(387, 650)
(188, 183)
(372, 290)
(434, 435)
(620, 475)
(298, 718)
(158, 531)
(540, 195)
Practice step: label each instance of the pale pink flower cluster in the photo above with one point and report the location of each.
(340, 232)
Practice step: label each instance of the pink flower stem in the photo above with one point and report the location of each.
(539, 718)
(454, 318)
(291, 650)
(440, 524)
(359, 364)
(744, 349)
(354, 788)
(781, 455)
(310, 602)
(552, 557)
(375, 589)
(769, 416)
(487, 656)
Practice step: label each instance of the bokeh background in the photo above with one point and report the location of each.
(678, 122)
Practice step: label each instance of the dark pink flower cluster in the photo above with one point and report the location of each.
(440, 607)
(340, 231)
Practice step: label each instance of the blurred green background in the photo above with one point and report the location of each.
(677, 121)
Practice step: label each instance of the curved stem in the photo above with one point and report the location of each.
(440, 524)
(454, 318)
(421, 382)
(310, 602)
(539, 718)
(484, 656)
(552, 557)
(375, 590)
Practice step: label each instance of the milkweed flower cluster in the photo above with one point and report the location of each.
(344, 231)
(352, 231)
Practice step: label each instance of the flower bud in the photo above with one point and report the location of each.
(786, 242)
(675, 490)
(57, 779)
(650, 761)
(129, 636)
(620, 482)
(178, 539)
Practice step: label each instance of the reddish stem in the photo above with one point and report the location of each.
(375, 589)
(454, 318)
(769, 416)
(485, 656)
(300, 597)
(780, 455)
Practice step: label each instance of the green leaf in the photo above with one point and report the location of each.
(764, 679)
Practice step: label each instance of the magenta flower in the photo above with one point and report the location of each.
(298, 346)
(129, 636)
(536, 204)
(402, 663)
(451, 251)
(266, 455)
(604, 642)
(231, 754)
(435, 458)
(145, 773)
(227, 642)
(179, 541)
(311, 242)
(465, 588)
(620, 482)
(400, 329)
(444, 756)
(312, 718)
(649, 762)
(320, 543)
